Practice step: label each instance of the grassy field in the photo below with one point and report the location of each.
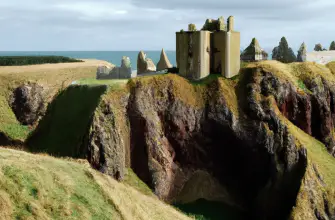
(42, 187)
(94, 81)
(54, 77)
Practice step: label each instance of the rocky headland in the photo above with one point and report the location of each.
(262, 142)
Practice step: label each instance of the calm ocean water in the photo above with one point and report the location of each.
(110, 56)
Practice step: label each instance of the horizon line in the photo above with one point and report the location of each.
(80, 50)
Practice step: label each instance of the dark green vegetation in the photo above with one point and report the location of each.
(31, 60)
(318, 47)
(67, 120)
(332, 45)
(207, 210)
(173, 70)
(283, 52)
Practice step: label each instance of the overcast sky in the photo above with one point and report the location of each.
(151, 24)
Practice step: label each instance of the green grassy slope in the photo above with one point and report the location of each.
(42, 187)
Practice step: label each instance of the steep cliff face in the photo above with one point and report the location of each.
(232, 132)
(304, 93)
(108, 140)
(249, 139)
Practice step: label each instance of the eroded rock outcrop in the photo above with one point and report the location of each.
(233, 136)
(108, 146)
(173, 137)
(28, 103)
(163, 62)
(144, 64)
(312, 111)
(241, 137)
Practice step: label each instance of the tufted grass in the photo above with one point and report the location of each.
(132, 180)
(331, 66)
(42, 187)
(180, 88)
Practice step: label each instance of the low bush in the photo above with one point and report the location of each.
(173, 70)
(31, 60)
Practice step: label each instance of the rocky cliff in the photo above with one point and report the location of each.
(262, 142)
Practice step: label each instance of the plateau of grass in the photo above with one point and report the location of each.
(94, 81)
(178, 86)
(42, 187)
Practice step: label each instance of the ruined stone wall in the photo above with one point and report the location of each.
(218, 51)
(234, 54)
(204, 59)
(193, 54)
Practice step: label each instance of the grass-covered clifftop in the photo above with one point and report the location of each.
(53, 77)
(42, 187)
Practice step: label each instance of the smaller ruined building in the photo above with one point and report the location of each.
(213, 49)
(254, 52)
(114, 72)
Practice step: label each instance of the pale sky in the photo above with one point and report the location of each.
(151, 24)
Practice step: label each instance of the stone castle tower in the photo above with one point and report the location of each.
(214, 49)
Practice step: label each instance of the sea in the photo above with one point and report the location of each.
(113, 57)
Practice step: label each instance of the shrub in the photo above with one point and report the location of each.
(32, 60)
(173, 70)
(332, 46)
(283, 52)
(318, 47)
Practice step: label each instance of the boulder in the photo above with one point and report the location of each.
(144, 64)
(163, 62)
(28, 103)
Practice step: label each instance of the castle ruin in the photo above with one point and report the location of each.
(213, 49)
